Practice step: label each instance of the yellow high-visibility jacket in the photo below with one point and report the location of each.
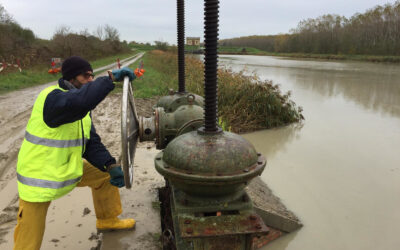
(50, 159)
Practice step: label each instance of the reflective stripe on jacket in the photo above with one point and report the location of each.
(50, 159)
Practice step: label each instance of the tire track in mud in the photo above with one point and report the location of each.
(15, 110)
(11, 137)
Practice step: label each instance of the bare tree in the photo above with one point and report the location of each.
(375, 32)
(111, 33)
(62, 30)
(5, 17)
(99, 32)
(84, 32)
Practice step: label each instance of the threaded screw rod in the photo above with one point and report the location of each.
(181, 44)
(211, 15)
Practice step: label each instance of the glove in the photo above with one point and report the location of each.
(119, 74)
(117, 176)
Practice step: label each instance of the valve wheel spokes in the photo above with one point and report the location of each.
(129, 132)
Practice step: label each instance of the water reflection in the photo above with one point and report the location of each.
(377, 92)
(375, 87)
(274, 140)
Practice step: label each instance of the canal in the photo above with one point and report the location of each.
(339, 170)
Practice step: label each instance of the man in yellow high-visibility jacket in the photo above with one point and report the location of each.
(61, 150)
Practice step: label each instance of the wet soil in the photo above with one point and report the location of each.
(71, 219)
(15, 109)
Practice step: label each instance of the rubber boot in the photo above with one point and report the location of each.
(104, 225)
(106, 200)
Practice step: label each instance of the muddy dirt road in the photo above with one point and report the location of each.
(71, 220)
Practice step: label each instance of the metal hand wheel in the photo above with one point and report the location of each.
(129, 132)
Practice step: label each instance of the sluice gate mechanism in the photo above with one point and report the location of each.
(209, 201)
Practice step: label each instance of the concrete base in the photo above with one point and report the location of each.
(274, 214)
(270, 208)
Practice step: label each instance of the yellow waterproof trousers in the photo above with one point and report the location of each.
(31, 220)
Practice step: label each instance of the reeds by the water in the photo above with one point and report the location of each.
(245, 103)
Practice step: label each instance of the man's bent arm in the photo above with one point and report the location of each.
(65, 107)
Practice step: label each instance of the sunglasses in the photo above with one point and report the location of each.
(88, 75)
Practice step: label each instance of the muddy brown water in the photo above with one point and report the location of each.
(340, 170)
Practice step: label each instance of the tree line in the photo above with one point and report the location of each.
(375, 32)
(18, 42)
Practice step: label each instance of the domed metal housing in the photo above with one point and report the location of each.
(209, 165)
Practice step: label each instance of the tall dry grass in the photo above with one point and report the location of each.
(245, 103)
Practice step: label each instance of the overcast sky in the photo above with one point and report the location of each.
(150, 20)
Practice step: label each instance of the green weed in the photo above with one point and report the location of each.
(245, 103)
(38, 74)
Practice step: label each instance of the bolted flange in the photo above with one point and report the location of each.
(174, 100)
(147, 128)
(163, 127)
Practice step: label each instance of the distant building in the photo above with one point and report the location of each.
(193, 41)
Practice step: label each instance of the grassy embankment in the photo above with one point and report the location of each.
(142, 47)
(245, 103)
(36, 75)
(254, 51)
